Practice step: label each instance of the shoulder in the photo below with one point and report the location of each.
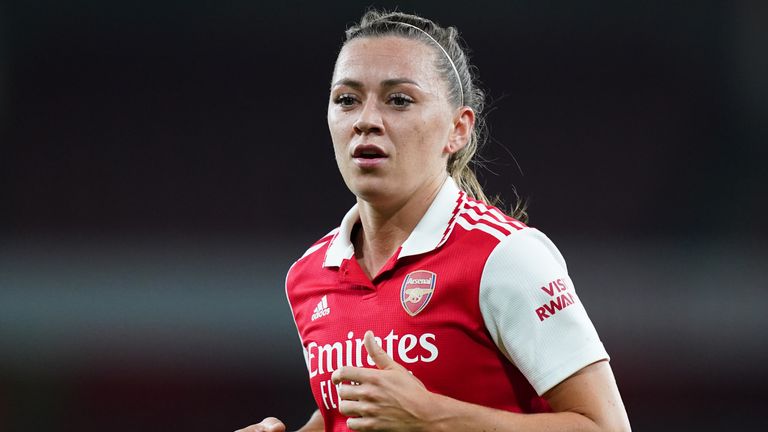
(502, 243)
(500, 239)
(519, 265)
(527, 250)
(315, 254)
(514, 254)
(317, 249)
(513, 239)
(321, 243)
(310, 263)
(486, 223)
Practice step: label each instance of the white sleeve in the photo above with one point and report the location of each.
(532, 312)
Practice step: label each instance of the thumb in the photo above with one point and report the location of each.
(377, 354)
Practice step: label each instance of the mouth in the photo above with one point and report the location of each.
(369, 156)
(369, 152)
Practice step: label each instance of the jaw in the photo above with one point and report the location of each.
(394, 182)
(372, 186)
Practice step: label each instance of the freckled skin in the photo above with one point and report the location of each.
(416, 137)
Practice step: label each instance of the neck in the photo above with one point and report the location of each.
(386, 227)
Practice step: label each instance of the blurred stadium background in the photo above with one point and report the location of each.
(163, 163)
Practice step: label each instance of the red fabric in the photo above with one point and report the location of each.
(450, 348)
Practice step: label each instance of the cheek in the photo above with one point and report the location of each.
(339, 149)
(431, 141)
(335, 128)
(338, 123)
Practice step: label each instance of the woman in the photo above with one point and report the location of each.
(428, 309)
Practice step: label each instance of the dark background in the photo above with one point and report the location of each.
(163, 163)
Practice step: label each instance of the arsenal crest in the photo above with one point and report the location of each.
(417, 289)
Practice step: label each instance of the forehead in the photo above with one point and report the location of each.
(386, 57)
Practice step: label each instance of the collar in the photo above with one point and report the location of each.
(430, 233)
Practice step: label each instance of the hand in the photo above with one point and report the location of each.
(269, 424)
(389, 398)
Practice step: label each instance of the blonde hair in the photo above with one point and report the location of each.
(463, 88)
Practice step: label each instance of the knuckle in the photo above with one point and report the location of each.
(375, 379)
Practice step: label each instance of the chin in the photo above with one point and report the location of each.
(373, 189)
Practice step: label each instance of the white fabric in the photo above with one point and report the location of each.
(429, 232)
(424, 238)
(546, 351)
(341, 247)
(319, 245)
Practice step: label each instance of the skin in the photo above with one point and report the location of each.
(386, 93)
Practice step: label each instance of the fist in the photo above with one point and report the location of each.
(269, 424)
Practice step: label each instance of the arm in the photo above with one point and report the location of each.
(271, 424)
(587, 401)
(393, 399)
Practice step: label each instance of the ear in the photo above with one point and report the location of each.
(463, 124)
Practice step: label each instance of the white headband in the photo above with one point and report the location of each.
(456, 71)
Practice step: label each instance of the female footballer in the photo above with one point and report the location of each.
(428, 309)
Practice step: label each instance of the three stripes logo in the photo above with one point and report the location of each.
(321, 309)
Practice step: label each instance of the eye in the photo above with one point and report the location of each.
(400, 100)
(345, 100)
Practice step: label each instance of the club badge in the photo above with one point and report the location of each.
(417, 290)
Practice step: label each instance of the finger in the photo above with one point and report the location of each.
(350, 374)
(361, 423)
(354, 392)
(353, 408)
(379, 356)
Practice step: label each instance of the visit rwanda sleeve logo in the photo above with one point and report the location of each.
(417, 290)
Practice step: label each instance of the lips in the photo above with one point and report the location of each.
(368, 156)
(368, 151)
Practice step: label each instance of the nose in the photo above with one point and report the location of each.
(369, 121)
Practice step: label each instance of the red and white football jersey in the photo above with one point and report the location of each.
(475, 304)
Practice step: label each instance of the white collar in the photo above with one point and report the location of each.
(431, 231)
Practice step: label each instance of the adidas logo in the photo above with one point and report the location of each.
(321, 309)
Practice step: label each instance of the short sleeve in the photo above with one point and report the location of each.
(532, 312)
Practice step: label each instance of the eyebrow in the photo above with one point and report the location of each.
(386, 83)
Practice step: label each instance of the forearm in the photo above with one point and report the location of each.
(586, 401)
(314, 424)
(451, 415)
